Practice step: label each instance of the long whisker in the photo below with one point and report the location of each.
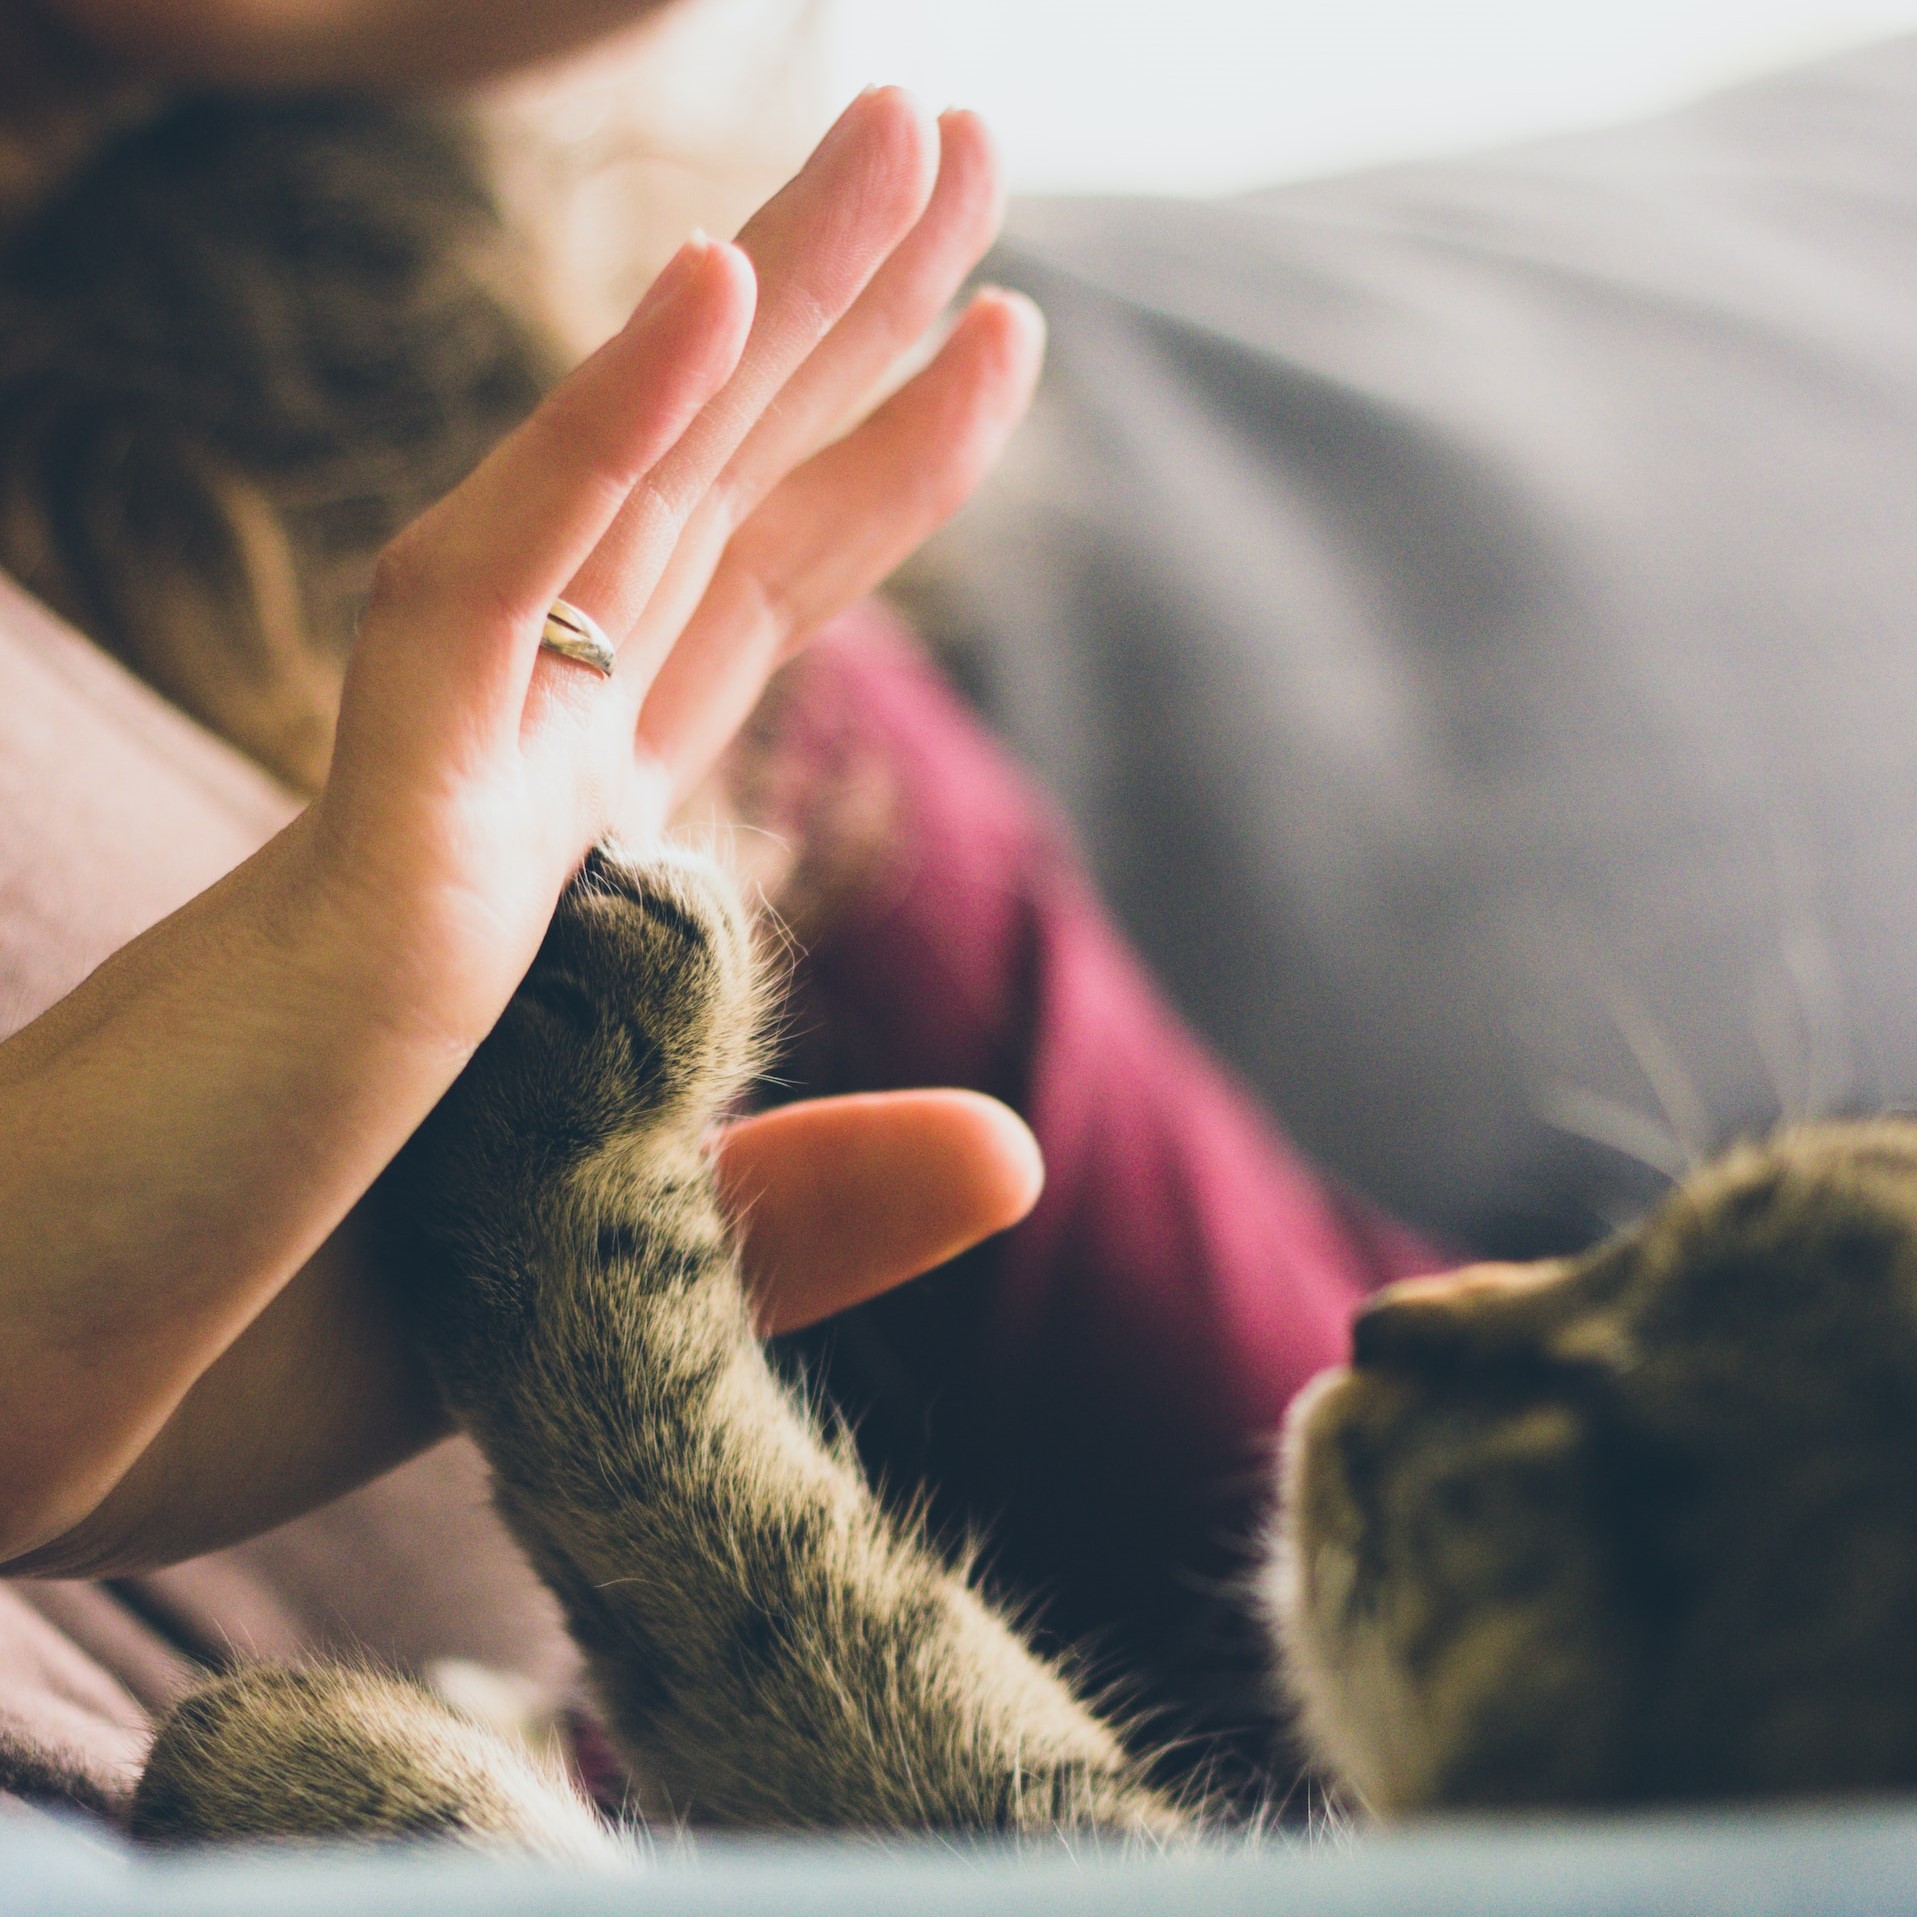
(1812, 974)
(1664, 1072)
(1617, 1126)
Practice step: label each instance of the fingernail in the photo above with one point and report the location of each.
(677, 273)
(839, 129)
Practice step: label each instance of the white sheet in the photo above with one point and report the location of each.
(1204, 95)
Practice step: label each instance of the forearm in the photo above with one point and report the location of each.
(177, 1139)
(323, 43)
(324, 1390)
(320, 1394)
(830, 1672)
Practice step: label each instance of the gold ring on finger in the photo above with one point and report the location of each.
(578, 636)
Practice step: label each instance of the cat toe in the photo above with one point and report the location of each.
(661, 952)
(687, 932)
(636, 1025)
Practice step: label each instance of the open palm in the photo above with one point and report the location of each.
(684, 487)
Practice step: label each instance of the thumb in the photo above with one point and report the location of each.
(840, 1199)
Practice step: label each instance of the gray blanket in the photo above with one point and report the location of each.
(1468, 612)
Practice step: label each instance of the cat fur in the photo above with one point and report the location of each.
(771, 1650)
(1632, 1527)
(1637, 1526)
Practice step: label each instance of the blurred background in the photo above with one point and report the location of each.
(1203, 95)
(716, 101)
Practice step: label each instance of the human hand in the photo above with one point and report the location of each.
(192, 1127)
(836, 1199)
(680, 488)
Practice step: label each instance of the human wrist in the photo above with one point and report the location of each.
(429, 921)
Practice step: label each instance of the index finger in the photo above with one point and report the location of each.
(452, 629)
(840, 1199)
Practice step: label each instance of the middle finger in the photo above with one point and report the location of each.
(896, 309)
(814, 247)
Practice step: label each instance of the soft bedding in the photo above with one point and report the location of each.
(1467, 611)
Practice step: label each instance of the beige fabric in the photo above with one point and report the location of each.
(60, 1703)
(412, 1570)
(115, 810)
(605, 162)
(113, 1638)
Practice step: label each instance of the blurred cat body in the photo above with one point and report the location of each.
(1634, 1527)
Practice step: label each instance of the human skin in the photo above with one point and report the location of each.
(198, 1123)
(323, 43)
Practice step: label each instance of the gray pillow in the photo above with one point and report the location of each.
(1468, 612)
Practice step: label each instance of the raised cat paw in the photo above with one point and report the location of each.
(584, 1112)
(638, 1021)
(651, 965)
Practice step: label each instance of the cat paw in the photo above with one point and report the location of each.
(648, 981)
(330, 1754)
(638, 1022)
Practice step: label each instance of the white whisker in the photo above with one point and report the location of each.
(1611, 1123)
(1810, 972)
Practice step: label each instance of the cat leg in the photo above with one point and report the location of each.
(772, 1648)
(329, 1753)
